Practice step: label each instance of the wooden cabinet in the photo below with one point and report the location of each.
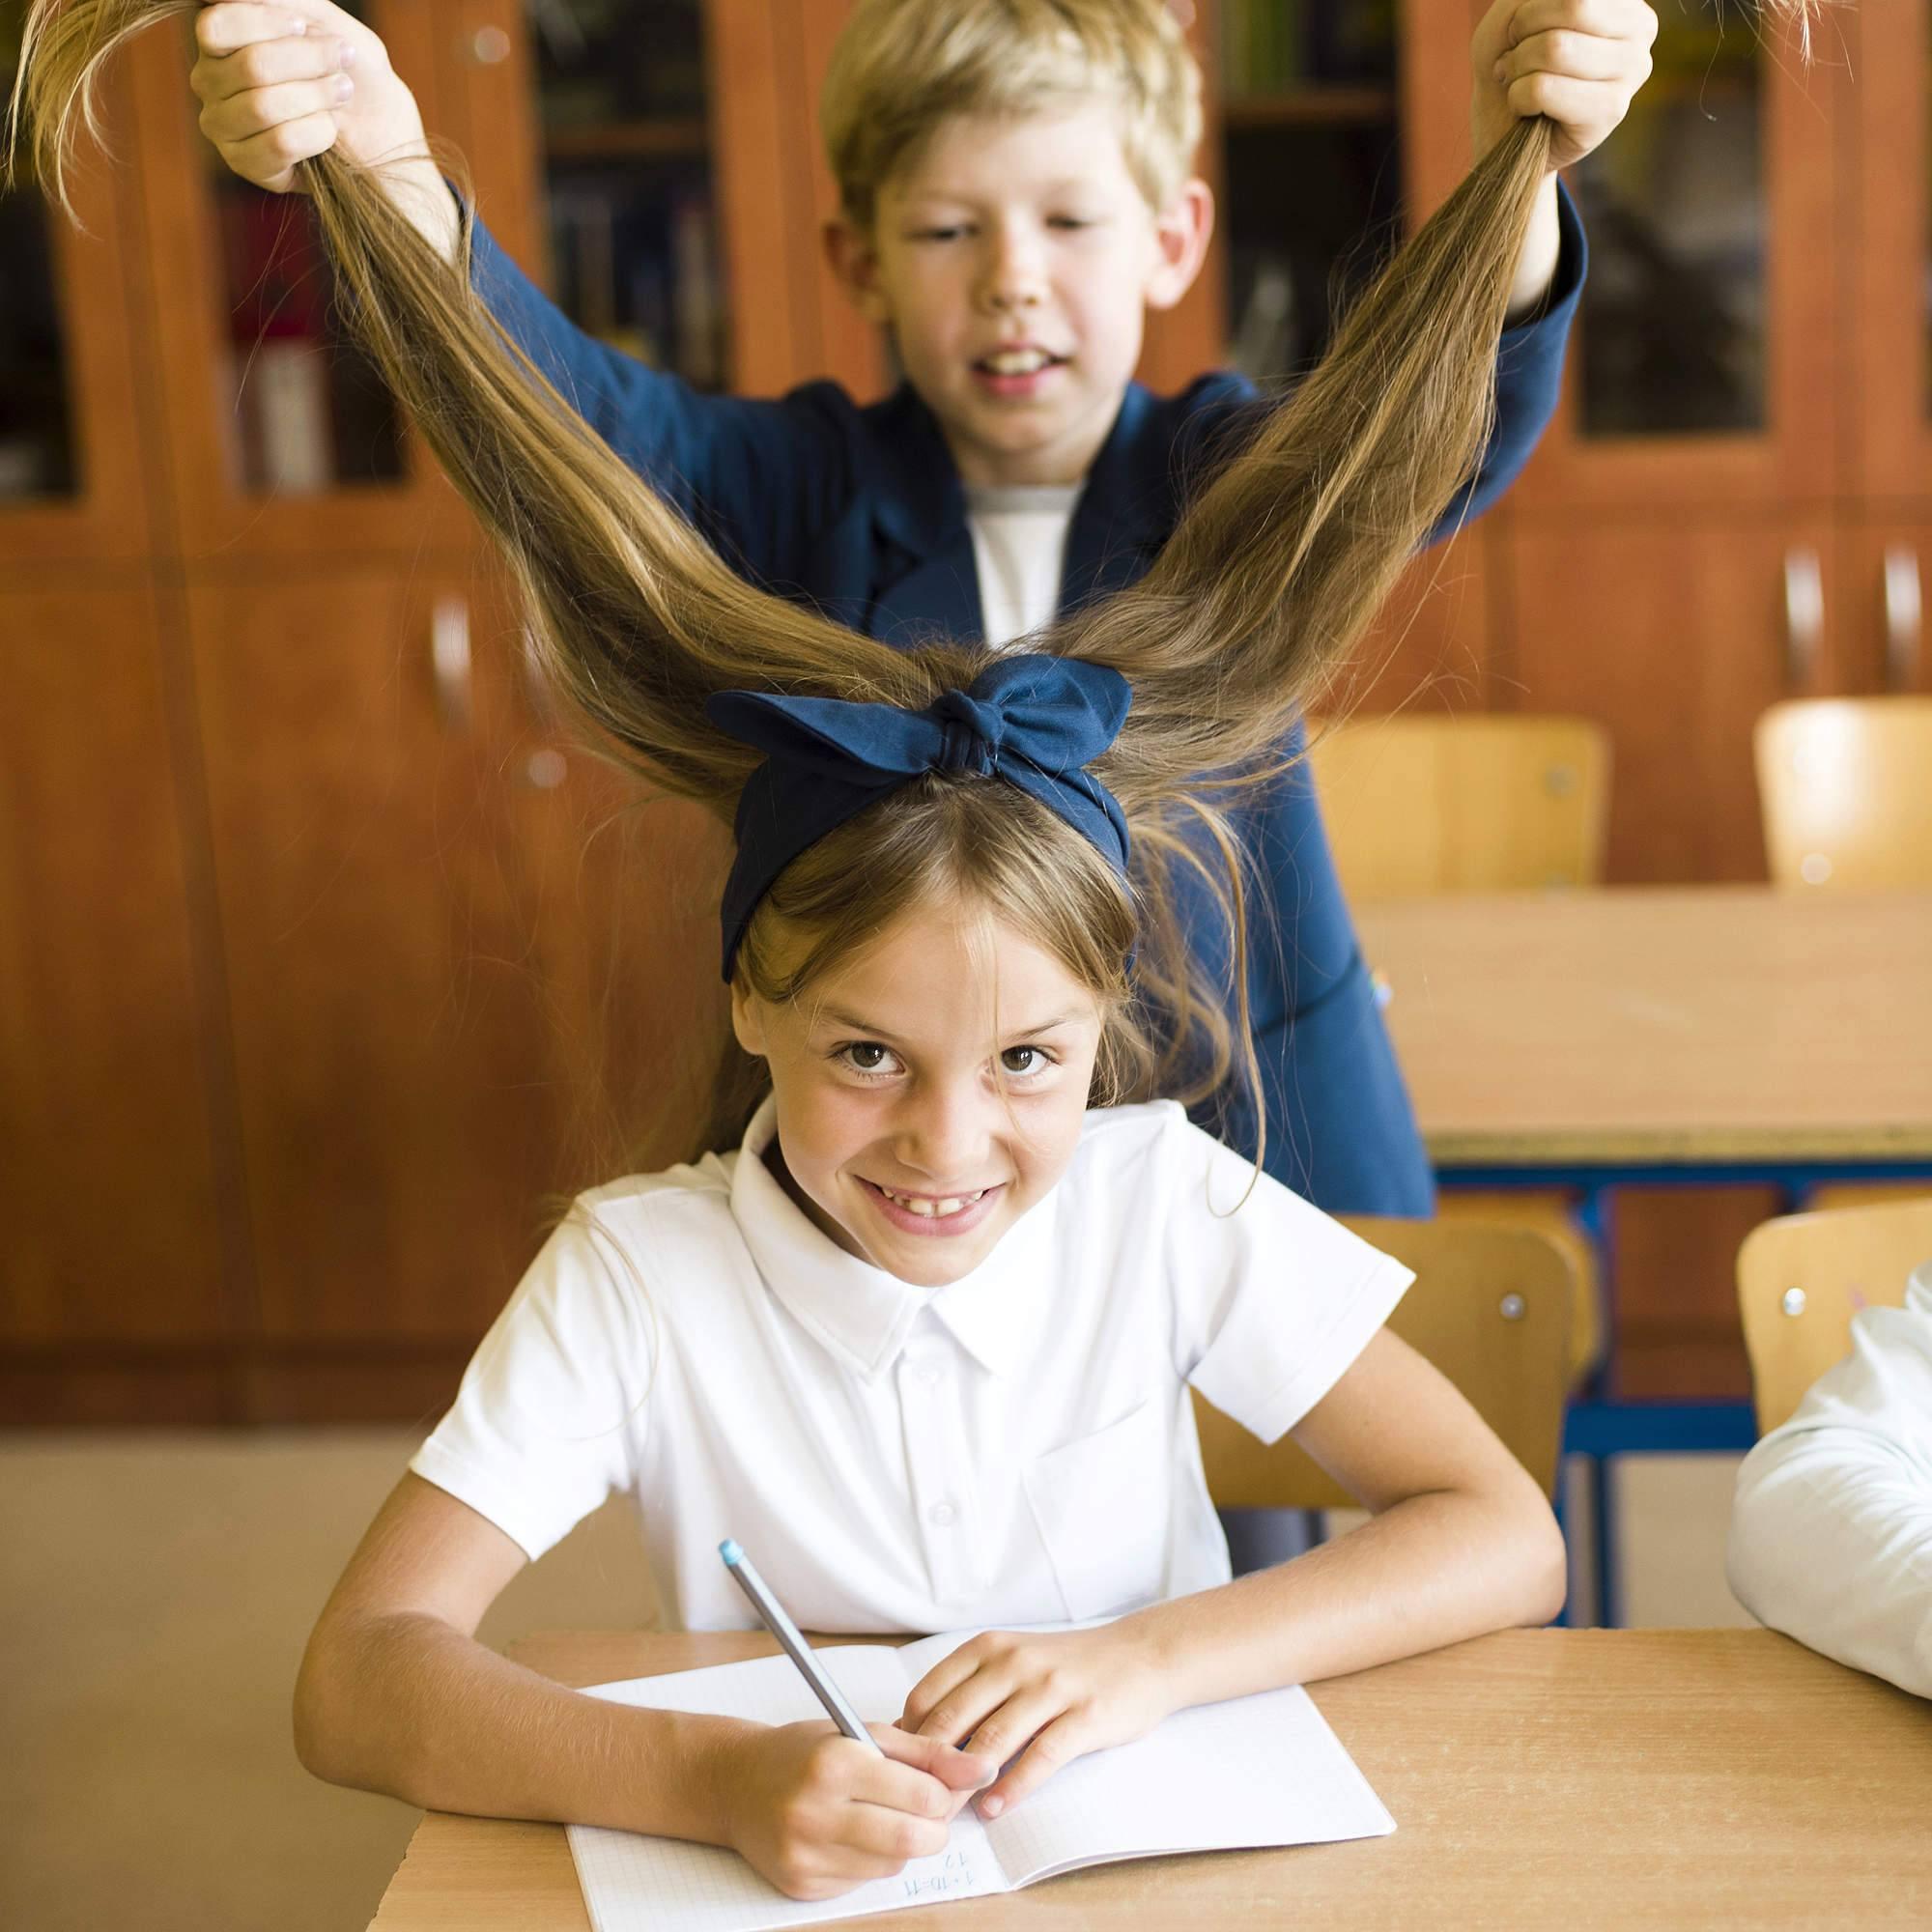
(327, 959)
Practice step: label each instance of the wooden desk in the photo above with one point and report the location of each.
(1580, 1778)
(1721, 1026)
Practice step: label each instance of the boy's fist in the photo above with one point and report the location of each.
(280, 82)
(1576, 62)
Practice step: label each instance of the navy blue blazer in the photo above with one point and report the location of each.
(859, 511)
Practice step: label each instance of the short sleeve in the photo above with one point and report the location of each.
(551, 1410)
(1272, 1299)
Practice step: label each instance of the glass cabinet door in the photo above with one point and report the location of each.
(69, 447)
(1702, 359)
(282, 439)
(647, 164)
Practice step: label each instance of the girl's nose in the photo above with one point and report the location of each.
(944, 1137)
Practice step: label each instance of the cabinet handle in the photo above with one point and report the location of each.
(1804, 613)
(449, 660)
(489, 46)
(1904, 616)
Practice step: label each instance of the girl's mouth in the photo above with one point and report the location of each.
(934, 1214)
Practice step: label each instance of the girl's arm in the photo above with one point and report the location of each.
(1462, 1542)
(395, 1695)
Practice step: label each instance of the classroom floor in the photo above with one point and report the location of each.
(158, 1593)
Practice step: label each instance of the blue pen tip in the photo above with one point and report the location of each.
(730, 1552)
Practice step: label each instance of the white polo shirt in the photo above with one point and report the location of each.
(1017, 1447)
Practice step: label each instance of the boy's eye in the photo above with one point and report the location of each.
(948, 234)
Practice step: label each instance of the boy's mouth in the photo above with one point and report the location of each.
(1016, 372)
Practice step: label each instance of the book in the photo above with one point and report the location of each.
(1264, 1770)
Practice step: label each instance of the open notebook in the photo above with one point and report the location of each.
(1255, 1770)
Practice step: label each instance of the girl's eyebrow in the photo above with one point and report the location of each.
(850, 1022)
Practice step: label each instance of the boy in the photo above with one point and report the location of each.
(1016, 189)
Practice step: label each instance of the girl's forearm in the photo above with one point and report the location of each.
(1536, 264)
(1429, 1570)
(407, 1705)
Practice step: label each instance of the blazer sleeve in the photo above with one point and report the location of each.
(761, 478)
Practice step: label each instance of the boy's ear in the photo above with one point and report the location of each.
(1181, 234)
(854, 263)
(747, 1020)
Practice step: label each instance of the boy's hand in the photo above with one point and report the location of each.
(1576, 62)
(817, 1814)
(282, 82)
(1045, 1699)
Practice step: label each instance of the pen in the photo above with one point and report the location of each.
(771, 1613)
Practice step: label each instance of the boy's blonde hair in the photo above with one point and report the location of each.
(901, 67)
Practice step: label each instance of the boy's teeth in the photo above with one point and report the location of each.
(928, 1208)
(1017, 362)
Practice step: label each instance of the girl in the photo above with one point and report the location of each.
(923, 1341)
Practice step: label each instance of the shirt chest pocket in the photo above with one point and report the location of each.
(1101, 1504)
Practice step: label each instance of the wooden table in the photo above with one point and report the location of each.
(1714, 1034)
(1537, 1778)
(1715, 1027)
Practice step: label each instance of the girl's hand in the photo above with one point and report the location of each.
(817, 1814)
(282, 82)
(1045, 1699)
(1577, 62)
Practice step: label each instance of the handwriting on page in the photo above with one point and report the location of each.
(951, 1875)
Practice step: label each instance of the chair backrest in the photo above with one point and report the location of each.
(1492, 802)
(1490, 1307)
(1803, 1277)
(1845, 785)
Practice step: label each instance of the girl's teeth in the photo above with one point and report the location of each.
(930, 1209)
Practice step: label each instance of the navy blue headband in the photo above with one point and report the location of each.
(1033, 721)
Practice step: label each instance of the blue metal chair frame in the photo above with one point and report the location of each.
(1600, 1424)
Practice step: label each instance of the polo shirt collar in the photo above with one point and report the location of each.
(860, 1314)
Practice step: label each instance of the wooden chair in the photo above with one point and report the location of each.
(1845, 786)
(1420, 805)
(1803, 1277)
(1490, 1307)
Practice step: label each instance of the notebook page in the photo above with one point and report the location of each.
(1254, 1770)
(631, 1883)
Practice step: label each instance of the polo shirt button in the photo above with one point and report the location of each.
(941, 1514)
(929, 1376)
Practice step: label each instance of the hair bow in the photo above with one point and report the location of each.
(1031, 719)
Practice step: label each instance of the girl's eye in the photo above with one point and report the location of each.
(867, 1056)
(1025, 1059)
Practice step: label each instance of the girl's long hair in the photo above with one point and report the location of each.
(1276, 571)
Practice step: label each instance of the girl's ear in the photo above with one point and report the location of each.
(747, 1020)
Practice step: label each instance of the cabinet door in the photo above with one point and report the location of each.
(281, 440)
(649, 167)
(1889, 331)
(1704, 361)
(1675, 636)
(71, 482)
(396, 1095)
(1885, 598)
(108, 1186)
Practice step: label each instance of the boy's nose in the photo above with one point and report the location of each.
(1014, 277)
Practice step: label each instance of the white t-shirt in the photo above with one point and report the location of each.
(1832, 1530)
(1019, 550)
(1017, 1447)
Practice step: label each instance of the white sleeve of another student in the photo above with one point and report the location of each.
(1273, 1298)
(1831, 1529)
(550, 1413)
